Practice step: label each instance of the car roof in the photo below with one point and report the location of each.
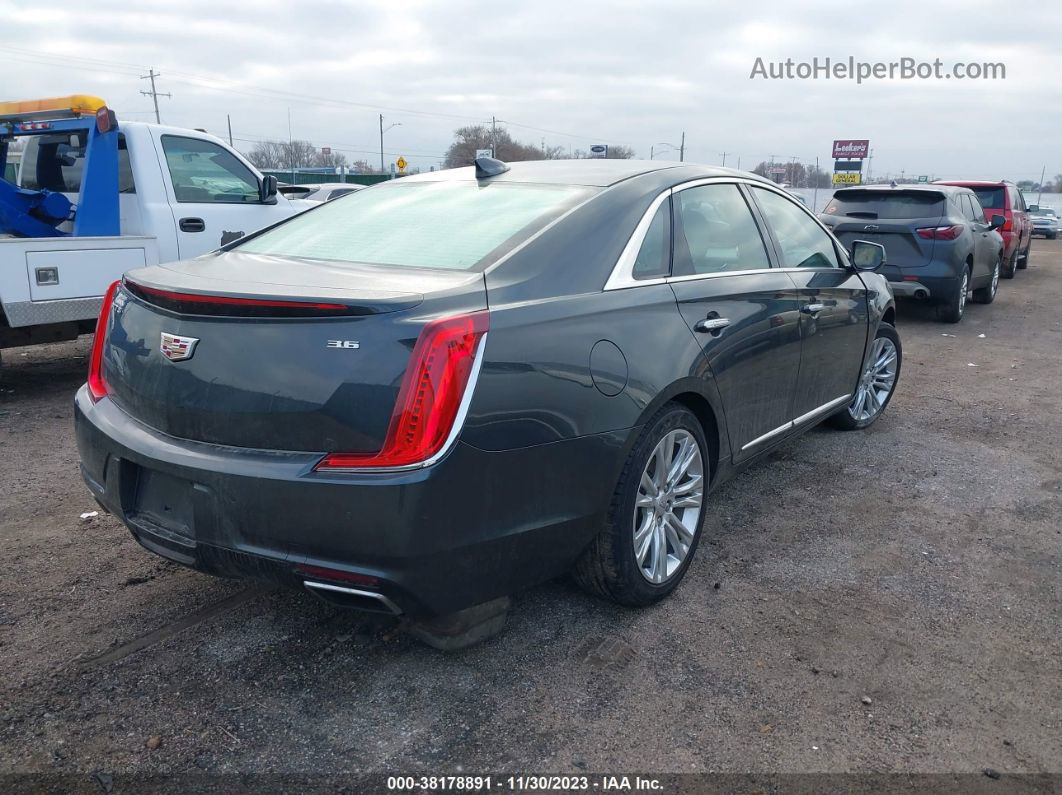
(973, 183)
(586, 171)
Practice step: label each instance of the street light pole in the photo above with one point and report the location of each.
(381, 144)
(682, 147)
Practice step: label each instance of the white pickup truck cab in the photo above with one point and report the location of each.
(182, 193)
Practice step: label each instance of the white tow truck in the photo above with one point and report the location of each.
(94, 199)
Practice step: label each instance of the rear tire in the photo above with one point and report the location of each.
(953, 307)
(880, 374)
(1023, 258)
(1011, 266)
(650, 514)
(987, 294)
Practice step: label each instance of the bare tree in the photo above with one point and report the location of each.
(467, 140)
(333, 159)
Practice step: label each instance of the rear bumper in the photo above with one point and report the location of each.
(472, 527)
(935, 280)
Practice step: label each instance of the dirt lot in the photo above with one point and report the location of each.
(877, 601)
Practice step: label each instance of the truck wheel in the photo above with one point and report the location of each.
(1052, 235)
(987, 294)
(953, 307)
(1011, 266)
(1023, 258)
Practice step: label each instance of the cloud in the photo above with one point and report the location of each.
(618, 72)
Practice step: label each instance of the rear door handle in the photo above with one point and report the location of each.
(192, 225)
(812, 309)
(712, 325)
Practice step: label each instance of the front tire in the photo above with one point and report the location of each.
(987, 294)
(1023, 258)
(954, 306)
(655, 519)
(877, 382)
(1011, 266)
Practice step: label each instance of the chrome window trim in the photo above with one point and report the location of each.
(459, 424)
(622, 277)
(623, 271)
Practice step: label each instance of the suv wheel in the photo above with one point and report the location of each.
(1011, 266)
(876, 383)
(987, 294)
(654, 522)
(953, 307)
(1023, 258)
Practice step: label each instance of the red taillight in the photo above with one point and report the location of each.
(97, 387)
(199, 304)
(336, 574)
(940, 232)
(430, 395)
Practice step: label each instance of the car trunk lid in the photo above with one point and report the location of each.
(274, 353)
(889, 217)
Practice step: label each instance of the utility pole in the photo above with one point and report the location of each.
(815, 196)
(651, 151)
(870, 164)
(229, 119)
(291, 149)
(682, 147)
(723, 155)
(381, 145)
(1043, 173)
(151, 75)
(493, 137)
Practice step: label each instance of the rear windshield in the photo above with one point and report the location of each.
(451, 225)
(990, 198)
(875, 204)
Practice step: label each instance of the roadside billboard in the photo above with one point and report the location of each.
(851, 178)
(851, 149)
(848, 165)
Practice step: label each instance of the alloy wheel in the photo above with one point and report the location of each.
(995, 276)
(963, 290)
(877, 381)
(667, 509)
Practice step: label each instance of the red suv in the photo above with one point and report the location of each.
(1004, 198)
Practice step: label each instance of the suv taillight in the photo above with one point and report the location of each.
(97, 387)
(430, 396)
(940, 232)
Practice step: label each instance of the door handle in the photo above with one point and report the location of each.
(192, 225)
(812, 309)
(712, 325)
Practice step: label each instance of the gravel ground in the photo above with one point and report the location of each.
(886, 600)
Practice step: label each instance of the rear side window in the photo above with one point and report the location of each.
(56, 162)
(1017, 201)
(449, 225)
(202, 172)
(886, 206)
(654, 257)
(991, 198)
(804, 243)
(718, 233)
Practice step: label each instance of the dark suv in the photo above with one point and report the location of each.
(938, 245)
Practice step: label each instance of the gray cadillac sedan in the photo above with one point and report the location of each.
(455, 385)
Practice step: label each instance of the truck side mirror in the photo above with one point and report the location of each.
(267, 190)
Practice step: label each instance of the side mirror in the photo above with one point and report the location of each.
(867, 256)
(267, 189)
(996, 222)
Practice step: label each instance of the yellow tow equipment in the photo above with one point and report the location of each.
(52, 108)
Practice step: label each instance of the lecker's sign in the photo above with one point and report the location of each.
(851, 149)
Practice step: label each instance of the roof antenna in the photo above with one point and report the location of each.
(892, 184)
(489, 167)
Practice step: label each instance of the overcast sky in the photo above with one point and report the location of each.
(569, 73)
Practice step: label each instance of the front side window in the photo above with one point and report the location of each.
(654, 257)
(203, 172)
(715, 232)
(804, 243)
(973, 209)
(450, 225)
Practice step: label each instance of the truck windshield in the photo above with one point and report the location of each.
(452, 225)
